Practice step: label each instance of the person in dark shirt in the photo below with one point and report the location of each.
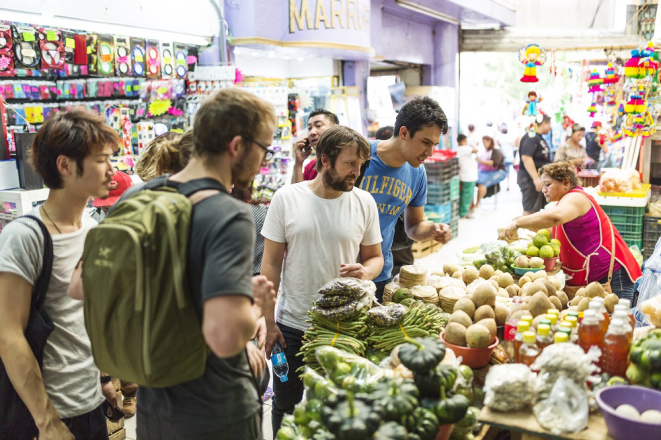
(595, 143)
(535, 154)
(318, 122)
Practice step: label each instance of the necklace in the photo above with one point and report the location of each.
(51, 220)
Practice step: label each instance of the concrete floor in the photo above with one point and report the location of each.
(493, 213)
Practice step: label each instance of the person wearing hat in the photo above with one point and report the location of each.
(120, 183)
(572, 150)
(595, 143)
(535, 154)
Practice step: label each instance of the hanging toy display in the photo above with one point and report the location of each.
(592, 110)
(532, 56)
(610, 97)
(26, 49)
(611, 76)
(6, 51)
(530, 109)
(595, 82)
(122, 56)
(636, 103)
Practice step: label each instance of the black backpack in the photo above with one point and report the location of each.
(16, 422)
(400, 240)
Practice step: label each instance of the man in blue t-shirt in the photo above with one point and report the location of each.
(397, 182)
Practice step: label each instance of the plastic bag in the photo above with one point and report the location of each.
(317, 386)
(617, 180)
(349, 371)
(386, 316)
(563, 360)
(566, 409)
(650, 286)
(509, 387)
(496, 253)
(351, 287)
(637, 254)
(652, 309)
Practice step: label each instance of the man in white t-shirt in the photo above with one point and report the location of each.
(71, 152)
(325, 226)
(467, 175)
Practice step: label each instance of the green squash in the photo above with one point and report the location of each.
(350, 418)
(451, 410)
(391, 431)
(397, 398)
(421, 355)
(430, 384)
(427, 425)
(401, 294)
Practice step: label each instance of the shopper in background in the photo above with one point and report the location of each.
(587, 236)
(318, 122)
(258, 209)
(595, 143)
(120, 183)
(167, 154)
(232, 130)
(505, 141)
(384, 133)
(71, 153)
(398, 183)
(473, 137)
(572, 150)
(535, 154)
(324, 227)
(467, 176)
(491, 168)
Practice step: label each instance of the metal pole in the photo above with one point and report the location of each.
(222, 42)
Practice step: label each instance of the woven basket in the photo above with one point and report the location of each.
(411, 275)
(449, 296)
(389, 290)
(426, 294)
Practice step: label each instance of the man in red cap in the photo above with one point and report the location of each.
(120, 183)
(594, 143)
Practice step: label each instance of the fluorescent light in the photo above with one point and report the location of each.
(286, 57)
(424, 10)
(102, 27)
(271, 54)
(300, 59)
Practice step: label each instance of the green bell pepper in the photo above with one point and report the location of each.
(421, 355)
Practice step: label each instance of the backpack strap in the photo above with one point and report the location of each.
(186, 188)
(41, 285)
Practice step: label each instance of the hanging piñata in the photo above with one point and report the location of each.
(532, 56)
(595, 82)
(530, 109)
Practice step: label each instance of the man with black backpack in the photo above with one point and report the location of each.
(173, 229)
(49, 385)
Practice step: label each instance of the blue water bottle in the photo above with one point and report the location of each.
(279, 361)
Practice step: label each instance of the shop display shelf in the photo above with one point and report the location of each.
(441, 213)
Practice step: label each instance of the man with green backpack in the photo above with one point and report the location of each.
(178, 307)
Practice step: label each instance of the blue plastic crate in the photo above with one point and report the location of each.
(439, 213)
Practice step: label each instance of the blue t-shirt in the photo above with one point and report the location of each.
(393, 190)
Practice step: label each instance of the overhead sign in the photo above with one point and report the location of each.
(328, 14)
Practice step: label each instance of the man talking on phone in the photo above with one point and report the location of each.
(318, 122)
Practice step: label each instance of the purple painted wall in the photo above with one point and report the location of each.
(399, 39)
(446, 49)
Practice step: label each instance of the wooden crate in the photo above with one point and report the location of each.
(119, 435)
(424, 248)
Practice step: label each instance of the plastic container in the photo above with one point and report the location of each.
(615, 350)
(521, 328)
(529, 349)
(560, 337)
(522, 270)
(589, 332)
(473, 357)
(621, 428)
(544, 338)
(549, 263)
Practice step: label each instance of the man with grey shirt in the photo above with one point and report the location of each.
(71, 153)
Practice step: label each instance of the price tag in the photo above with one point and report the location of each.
(70, 42)
(167, 60)
(51, 35)
(28, 36)
(161, 90)
(89, 50)
(139, 58)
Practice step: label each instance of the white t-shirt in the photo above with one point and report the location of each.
(70, 375)
(321, 234)
(467, 164)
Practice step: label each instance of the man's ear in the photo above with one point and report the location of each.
(403, 132)
(235, 145)
(66, 166)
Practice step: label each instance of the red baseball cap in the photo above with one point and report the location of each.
(120, 183)
(596, 124)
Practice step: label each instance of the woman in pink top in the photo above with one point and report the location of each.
(490, 168)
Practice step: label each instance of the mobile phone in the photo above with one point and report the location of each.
(307, 148)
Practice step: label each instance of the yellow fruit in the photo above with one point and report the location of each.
(540, 241)
(555, 241)
(546, 252)
(533, 251)
(556, 249)
(545, 232)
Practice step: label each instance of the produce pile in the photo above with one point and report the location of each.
(593, 290)
(543, 246)
(645, 357)
(358, 400)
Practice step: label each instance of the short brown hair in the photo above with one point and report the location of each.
(337, 138)
(226, 114)
(75, 134)
(562, 172)
(165, 155)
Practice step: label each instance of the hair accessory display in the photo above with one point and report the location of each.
(153, 60)
(26, 48)
(92, 43)
(6, 51)
(105, 56)
(138, 56)
(52, 48)
(167, 60)
(181, 60)
(122, 56)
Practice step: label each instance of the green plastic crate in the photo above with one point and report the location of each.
(440, 193)
(626, 219)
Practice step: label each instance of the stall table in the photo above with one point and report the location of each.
(525, 424)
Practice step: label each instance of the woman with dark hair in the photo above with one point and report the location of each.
(591, 249)
(572, 151)
(490, 168)
(258, 210)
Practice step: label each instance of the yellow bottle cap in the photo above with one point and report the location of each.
(529, 337)
(572, 313)
(527, 318)
(522, 326)
(564, 325)
(572, 320)
(560, 337)
(553, 312)
(580, 315)
(543, 329)
(552, 317)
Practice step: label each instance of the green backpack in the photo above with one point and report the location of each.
(139, 310)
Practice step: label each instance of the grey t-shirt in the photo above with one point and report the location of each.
(70, 375)
(219, 263)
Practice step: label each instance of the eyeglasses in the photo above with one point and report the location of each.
(268, 155)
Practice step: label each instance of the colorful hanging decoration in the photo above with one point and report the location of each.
(530, 109)
(611, 76)
(595, 82)
(532, 56)
(617, 136)
(592, 110)
(610, 97)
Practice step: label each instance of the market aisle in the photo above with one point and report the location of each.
(482, 228)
